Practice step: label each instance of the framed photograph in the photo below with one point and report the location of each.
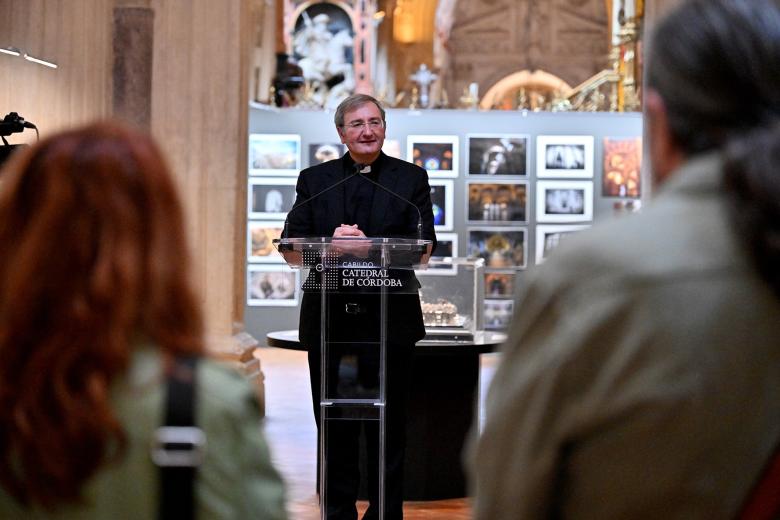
(622, 167)
(272, 285)
(392, 147)
(497, 202)
(500, 284)
(500, 247)
(549, 236)
(438, 154)
(564, 201)
(446, 245)
(441, 258)
(564, 156)
(497, 154)
(442, 193)
(324, 152)
(270, 198)
(260, 236)
(274, 154)
(498, 314)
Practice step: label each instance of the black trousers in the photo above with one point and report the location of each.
(342, 449)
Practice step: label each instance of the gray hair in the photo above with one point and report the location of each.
(735, 45)
(351, 103)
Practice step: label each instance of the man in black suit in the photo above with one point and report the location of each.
(360, 208)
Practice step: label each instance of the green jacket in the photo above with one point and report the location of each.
(236, 479)
(642, 374)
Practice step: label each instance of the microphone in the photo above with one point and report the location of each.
(359, 169)
(304, 202)
(13, 123)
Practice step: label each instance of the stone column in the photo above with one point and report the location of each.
(131, 75)
(186, 78)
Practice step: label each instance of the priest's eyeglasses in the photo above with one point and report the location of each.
(373, 124)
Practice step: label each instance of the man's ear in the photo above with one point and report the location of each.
(342, 135)
(665, 154)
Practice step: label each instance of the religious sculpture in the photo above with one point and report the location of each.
(423, 77)
(324, 61)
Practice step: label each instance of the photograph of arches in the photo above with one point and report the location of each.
(497, 202)
(438, 154)
(564, 201)
(548, 237)
(564, 156)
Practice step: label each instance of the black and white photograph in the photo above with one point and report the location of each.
(446, 245)
(498, 314)
(564, 156)
(548, 237)
(324, 152)
(497, 154)
(274, 154)
(272, 285)
(270, 198)
(260, 237)
(497, 202)
(500, 284)
(438, 154)
(564, 201)
(441, 258)
(500, 247)
(442, 201)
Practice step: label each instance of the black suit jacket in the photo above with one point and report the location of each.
(390, 217)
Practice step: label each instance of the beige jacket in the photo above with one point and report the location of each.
(236, 479)
(641, 378)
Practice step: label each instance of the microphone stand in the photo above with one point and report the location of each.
(359, 167)
(339, 183)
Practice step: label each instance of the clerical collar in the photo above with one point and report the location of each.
(374, 167)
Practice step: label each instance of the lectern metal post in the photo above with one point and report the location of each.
(356, 278)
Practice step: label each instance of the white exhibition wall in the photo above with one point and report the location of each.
(572, 162)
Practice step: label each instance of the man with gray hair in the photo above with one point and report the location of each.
(378, 196)
(641, 375)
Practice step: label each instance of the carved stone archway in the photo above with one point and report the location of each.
(503, 94)
(491, 39)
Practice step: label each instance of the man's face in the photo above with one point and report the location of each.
(363, 132)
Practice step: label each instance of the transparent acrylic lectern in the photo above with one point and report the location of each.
(355, 281)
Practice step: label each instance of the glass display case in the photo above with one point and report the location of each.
(452, 297)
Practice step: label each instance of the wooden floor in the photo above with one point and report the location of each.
(292, 435)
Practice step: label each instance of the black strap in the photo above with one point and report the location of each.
(177, 482)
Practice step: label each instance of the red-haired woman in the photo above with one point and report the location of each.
(95, 310)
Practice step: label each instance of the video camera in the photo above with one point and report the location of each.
(12, 123)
